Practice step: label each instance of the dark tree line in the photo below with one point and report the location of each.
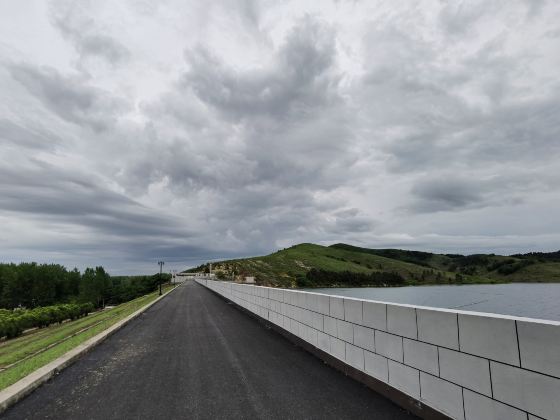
(324, 278)
(30, 285)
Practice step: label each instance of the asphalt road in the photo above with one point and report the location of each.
(194, 356)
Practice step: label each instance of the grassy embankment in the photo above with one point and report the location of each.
(283, 267)
(23, 355)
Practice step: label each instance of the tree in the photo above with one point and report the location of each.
(95, 286)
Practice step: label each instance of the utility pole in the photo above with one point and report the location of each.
(160, 268)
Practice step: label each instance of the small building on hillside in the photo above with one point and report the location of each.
(249, 279)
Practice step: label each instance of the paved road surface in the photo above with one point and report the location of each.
(193, 356)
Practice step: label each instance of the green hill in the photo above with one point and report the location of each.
(291, 267)
(531, 267)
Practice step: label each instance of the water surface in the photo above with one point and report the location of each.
(541, 300)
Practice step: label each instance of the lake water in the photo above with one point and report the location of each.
(519, 299)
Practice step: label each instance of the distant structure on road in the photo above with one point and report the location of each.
(181, 277)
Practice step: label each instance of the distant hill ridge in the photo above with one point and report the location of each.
(303, 264)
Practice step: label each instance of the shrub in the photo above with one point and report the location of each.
(13, 323)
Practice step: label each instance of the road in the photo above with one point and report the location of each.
(194, 356)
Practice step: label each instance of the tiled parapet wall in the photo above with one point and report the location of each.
(470, 366)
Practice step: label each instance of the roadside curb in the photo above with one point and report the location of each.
(25, 386)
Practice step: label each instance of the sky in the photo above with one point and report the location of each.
(187, 131)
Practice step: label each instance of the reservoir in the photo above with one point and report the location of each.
(531, 300)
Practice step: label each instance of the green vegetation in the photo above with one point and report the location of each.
(23, 355)
(31, 285)
(13, 322)
(290, 267)
(323, 278)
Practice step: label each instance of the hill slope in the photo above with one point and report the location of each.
(289, 267)
(531, 267)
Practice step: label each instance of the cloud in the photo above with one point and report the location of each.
(297, 80)
(69, 97)
(26, 137)
(191, 131)
(75, 23)
(45, 191)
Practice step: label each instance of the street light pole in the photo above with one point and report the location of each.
(160, 268)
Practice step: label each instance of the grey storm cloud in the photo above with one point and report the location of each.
(49, 192)
(69, 97)
(296, 81)
(193, 131)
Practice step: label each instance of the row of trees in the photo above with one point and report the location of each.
(29, 285)
(324, 278)
(14, 322)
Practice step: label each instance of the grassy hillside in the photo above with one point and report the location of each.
(531, 267)
(283, 268)
(287, 267)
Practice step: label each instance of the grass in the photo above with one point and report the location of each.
(21, 356)
(281, 268)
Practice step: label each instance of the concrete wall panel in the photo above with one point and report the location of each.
(480, 407)
(443, 395)
(405, 378)
(497, 367)
(401, 320)
(493, 338)
(539, 346)
(440, 328)
(389, 345)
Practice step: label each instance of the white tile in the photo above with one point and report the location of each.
(376, 366)
(442, 395)
(355, 356)
(480, 407)
(528, 391)
(311, 301)
(323, 305)
(323, 342)
(469, 371)
(353, 311)
(364, 338)
(539, 345)
(375, 315)
(438, 328)
(287, 323)
(401, 320)
(336, 307)
(389, 345)
(421, 356)
(345, 331)
(329, 326)
(317, 321)
(494, 338)
(303, 331)
(301, 299)
(307, 317)
(337, 348)
(312, 336)
(405, 378)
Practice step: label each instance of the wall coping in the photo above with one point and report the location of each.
(406, 305)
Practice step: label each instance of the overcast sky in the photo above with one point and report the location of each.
(138, 130)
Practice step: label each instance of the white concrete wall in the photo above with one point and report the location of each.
(470, 366)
